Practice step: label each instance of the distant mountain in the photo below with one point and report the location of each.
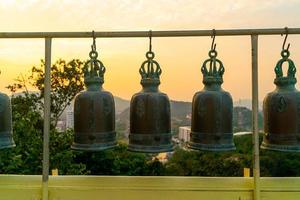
(121, 104)
(180, 113)
(242, 119)
(246, 103)
(181, 116)
(179, 109)
(123, 117)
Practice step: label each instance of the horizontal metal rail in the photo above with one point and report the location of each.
(174, 33)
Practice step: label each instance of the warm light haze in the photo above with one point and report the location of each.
(180, 58)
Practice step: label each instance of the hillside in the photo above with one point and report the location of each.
(121, 104)
(181, 116)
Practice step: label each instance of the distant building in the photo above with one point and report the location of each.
(188, 116)
(163, 157)
(70, 118)
(60, 126)
(184, 133)
(242, 133)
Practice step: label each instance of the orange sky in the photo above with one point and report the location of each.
(180, 58)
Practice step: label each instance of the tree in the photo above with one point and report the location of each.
(66, 82)
(26, 157)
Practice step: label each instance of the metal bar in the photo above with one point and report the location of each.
(175, 33)
(256, 167)
(47, 115)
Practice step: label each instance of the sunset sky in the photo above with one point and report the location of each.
(180, 58)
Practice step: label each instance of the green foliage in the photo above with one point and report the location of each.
(26, 157)
(193, 163)
(66, 82)
(200, 163)
(242, 119)
(279, 164)
(62, 157)
(117, 161)
(27, 125)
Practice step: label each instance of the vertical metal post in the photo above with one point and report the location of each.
(256, 167)
(47, 116)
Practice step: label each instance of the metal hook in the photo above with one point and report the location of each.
(94, 41)
(213, 45)
(286, 35)
(150, 40)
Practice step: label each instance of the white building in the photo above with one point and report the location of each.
(60, 126)
(184, 133)
(70, 118)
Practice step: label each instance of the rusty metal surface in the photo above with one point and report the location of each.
(150, 128)
(212, 110)
(6, 134)
(282, 109)
(94, 121)
(150, 121)
(212, 121)
(94, 110)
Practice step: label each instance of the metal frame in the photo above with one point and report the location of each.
(47, 117)
(175, 33)
(179, 33)
(256, 166)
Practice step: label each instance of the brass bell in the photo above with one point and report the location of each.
(6, 136)
(150, 124)
(94, 110)
(212, 107)
(282, 110)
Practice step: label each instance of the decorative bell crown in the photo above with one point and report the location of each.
(150, 71)
(280, 79)
(213, 73)
(93, 70)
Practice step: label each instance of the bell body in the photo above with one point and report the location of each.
(150, 122)
(282, 110)
(212, 120)
(282, 119)
(6, 138)
(94, 121)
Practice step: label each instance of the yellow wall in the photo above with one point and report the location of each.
(146, 188)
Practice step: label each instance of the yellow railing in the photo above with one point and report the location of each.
(147, 188)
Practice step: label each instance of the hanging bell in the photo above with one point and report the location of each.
(282, 110)
(150, 126)
(211, 128)
(6, 138)
(94, 110)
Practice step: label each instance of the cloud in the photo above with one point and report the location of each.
(105, 15)
(52, 15)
